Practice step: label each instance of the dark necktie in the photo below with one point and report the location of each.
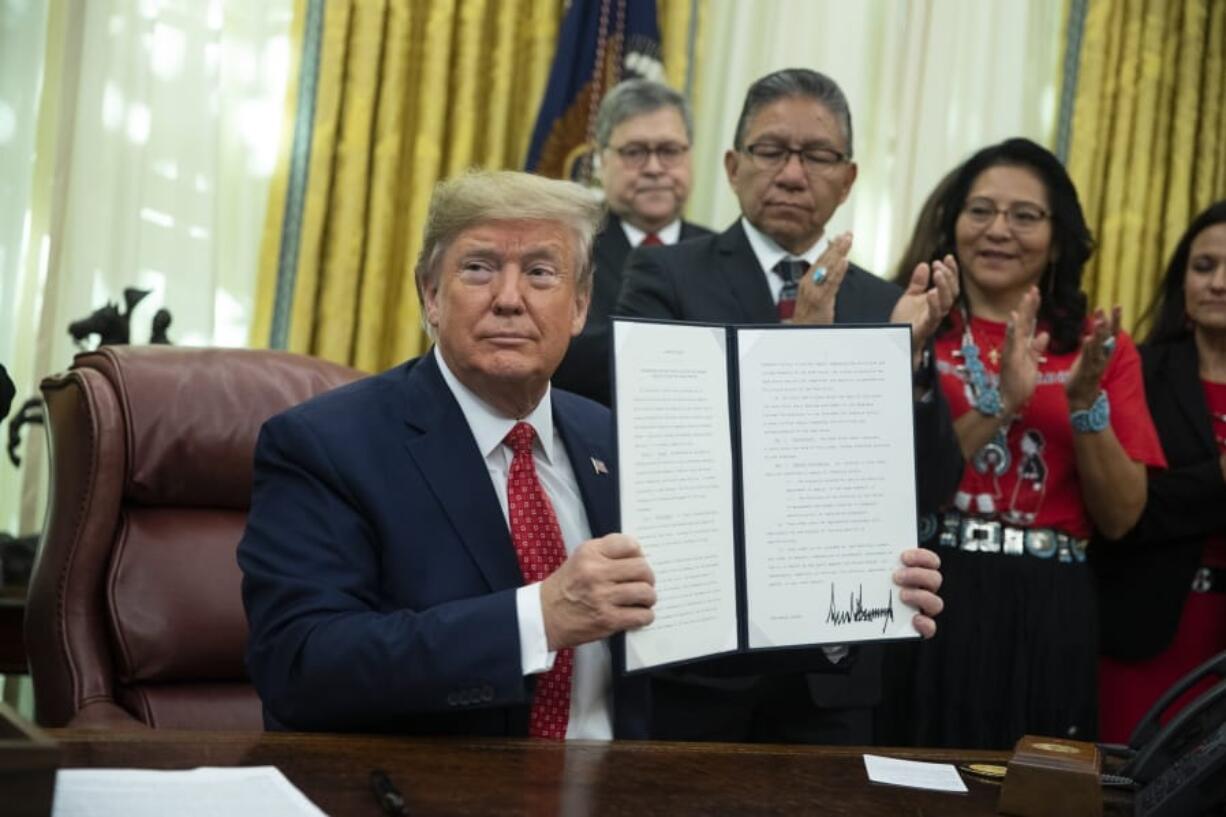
(790, 272)
(651, 240)
(540, 550)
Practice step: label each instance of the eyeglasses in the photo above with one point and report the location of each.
(636, 154)
(1021, 218)
(771, 157)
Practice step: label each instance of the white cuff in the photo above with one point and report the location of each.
(534, 654)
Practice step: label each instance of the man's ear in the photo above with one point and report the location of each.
(430, 296)
(852, 171)
(582, 302)
(732, 161)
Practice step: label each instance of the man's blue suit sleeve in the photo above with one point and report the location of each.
(338, 644)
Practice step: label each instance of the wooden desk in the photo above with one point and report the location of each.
(510, 777)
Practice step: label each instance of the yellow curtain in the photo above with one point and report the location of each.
(1148, 147)
(677, 18)
(408, 92)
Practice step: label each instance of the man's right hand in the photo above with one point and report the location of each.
(604, 587)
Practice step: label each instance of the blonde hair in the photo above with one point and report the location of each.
(482, 196)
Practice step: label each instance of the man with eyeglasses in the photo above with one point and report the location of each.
(643, 131)
(791, 167)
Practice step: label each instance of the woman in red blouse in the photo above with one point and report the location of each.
(1050, 413)
(1162, 590)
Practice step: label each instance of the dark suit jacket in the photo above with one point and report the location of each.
(718, 279)
(379, 576)
(1144, 579)
(585, 369)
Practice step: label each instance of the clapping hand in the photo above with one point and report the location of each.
(926, 302)
(1097, 346)
(1023, 352)
(819, 287)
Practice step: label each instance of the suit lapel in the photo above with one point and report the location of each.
(1182, 376)
(689, 231)
(442, 446)
(593, 465)
(742, 276)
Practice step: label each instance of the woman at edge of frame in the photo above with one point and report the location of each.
(1162, 589)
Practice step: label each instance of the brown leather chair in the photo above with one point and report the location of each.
(134, 613)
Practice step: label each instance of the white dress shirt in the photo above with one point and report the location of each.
(769, 254)
(667, 235)
(590, 697)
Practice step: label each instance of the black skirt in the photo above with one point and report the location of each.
(1015, 654)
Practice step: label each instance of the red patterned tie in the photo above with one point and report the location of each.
(790, 272)
(539, 547)
(650, 240)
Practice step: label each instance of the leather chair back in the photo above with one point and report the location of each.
(134, 613)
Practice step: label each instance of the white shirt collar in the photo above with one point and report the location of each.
(769, 253)
(490, 427)
(668, 235)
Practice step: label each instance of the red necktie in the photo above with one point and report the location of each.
(651, 240)
(790, 272)
(539, 548)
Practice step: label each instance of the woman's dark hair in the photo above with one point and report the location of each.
(1168, 312)
(1063, 305)
(926, 237)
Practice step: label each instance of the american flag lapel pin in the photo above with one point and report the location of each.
(599, 467)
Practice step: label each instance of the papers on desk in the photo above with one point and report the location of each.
(205, 792)
(913, 774)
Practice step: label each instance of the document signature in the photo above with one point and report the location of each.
(856, 611)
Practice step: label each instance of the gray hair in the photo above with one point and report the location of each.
(793, 82)
(636, 97)
(482, 196)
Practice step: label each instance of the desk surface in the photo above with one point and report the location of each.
(478, 777)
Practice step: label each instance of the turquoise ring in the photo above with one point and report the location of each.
(819, 274)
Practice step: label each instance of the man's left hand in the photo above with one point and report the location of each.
(1086, 374)
(920, 579)
(815, 299)
(926, 302)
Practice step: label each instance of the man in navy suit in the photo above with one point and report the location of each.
(791, 167)
(381, 582)
(643, 132)
(392, 562)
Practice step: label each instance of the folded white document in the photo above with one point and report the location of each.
(913, 774)
(261, 790)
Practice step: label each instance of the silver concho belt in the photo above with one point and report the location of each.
(977, 535)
